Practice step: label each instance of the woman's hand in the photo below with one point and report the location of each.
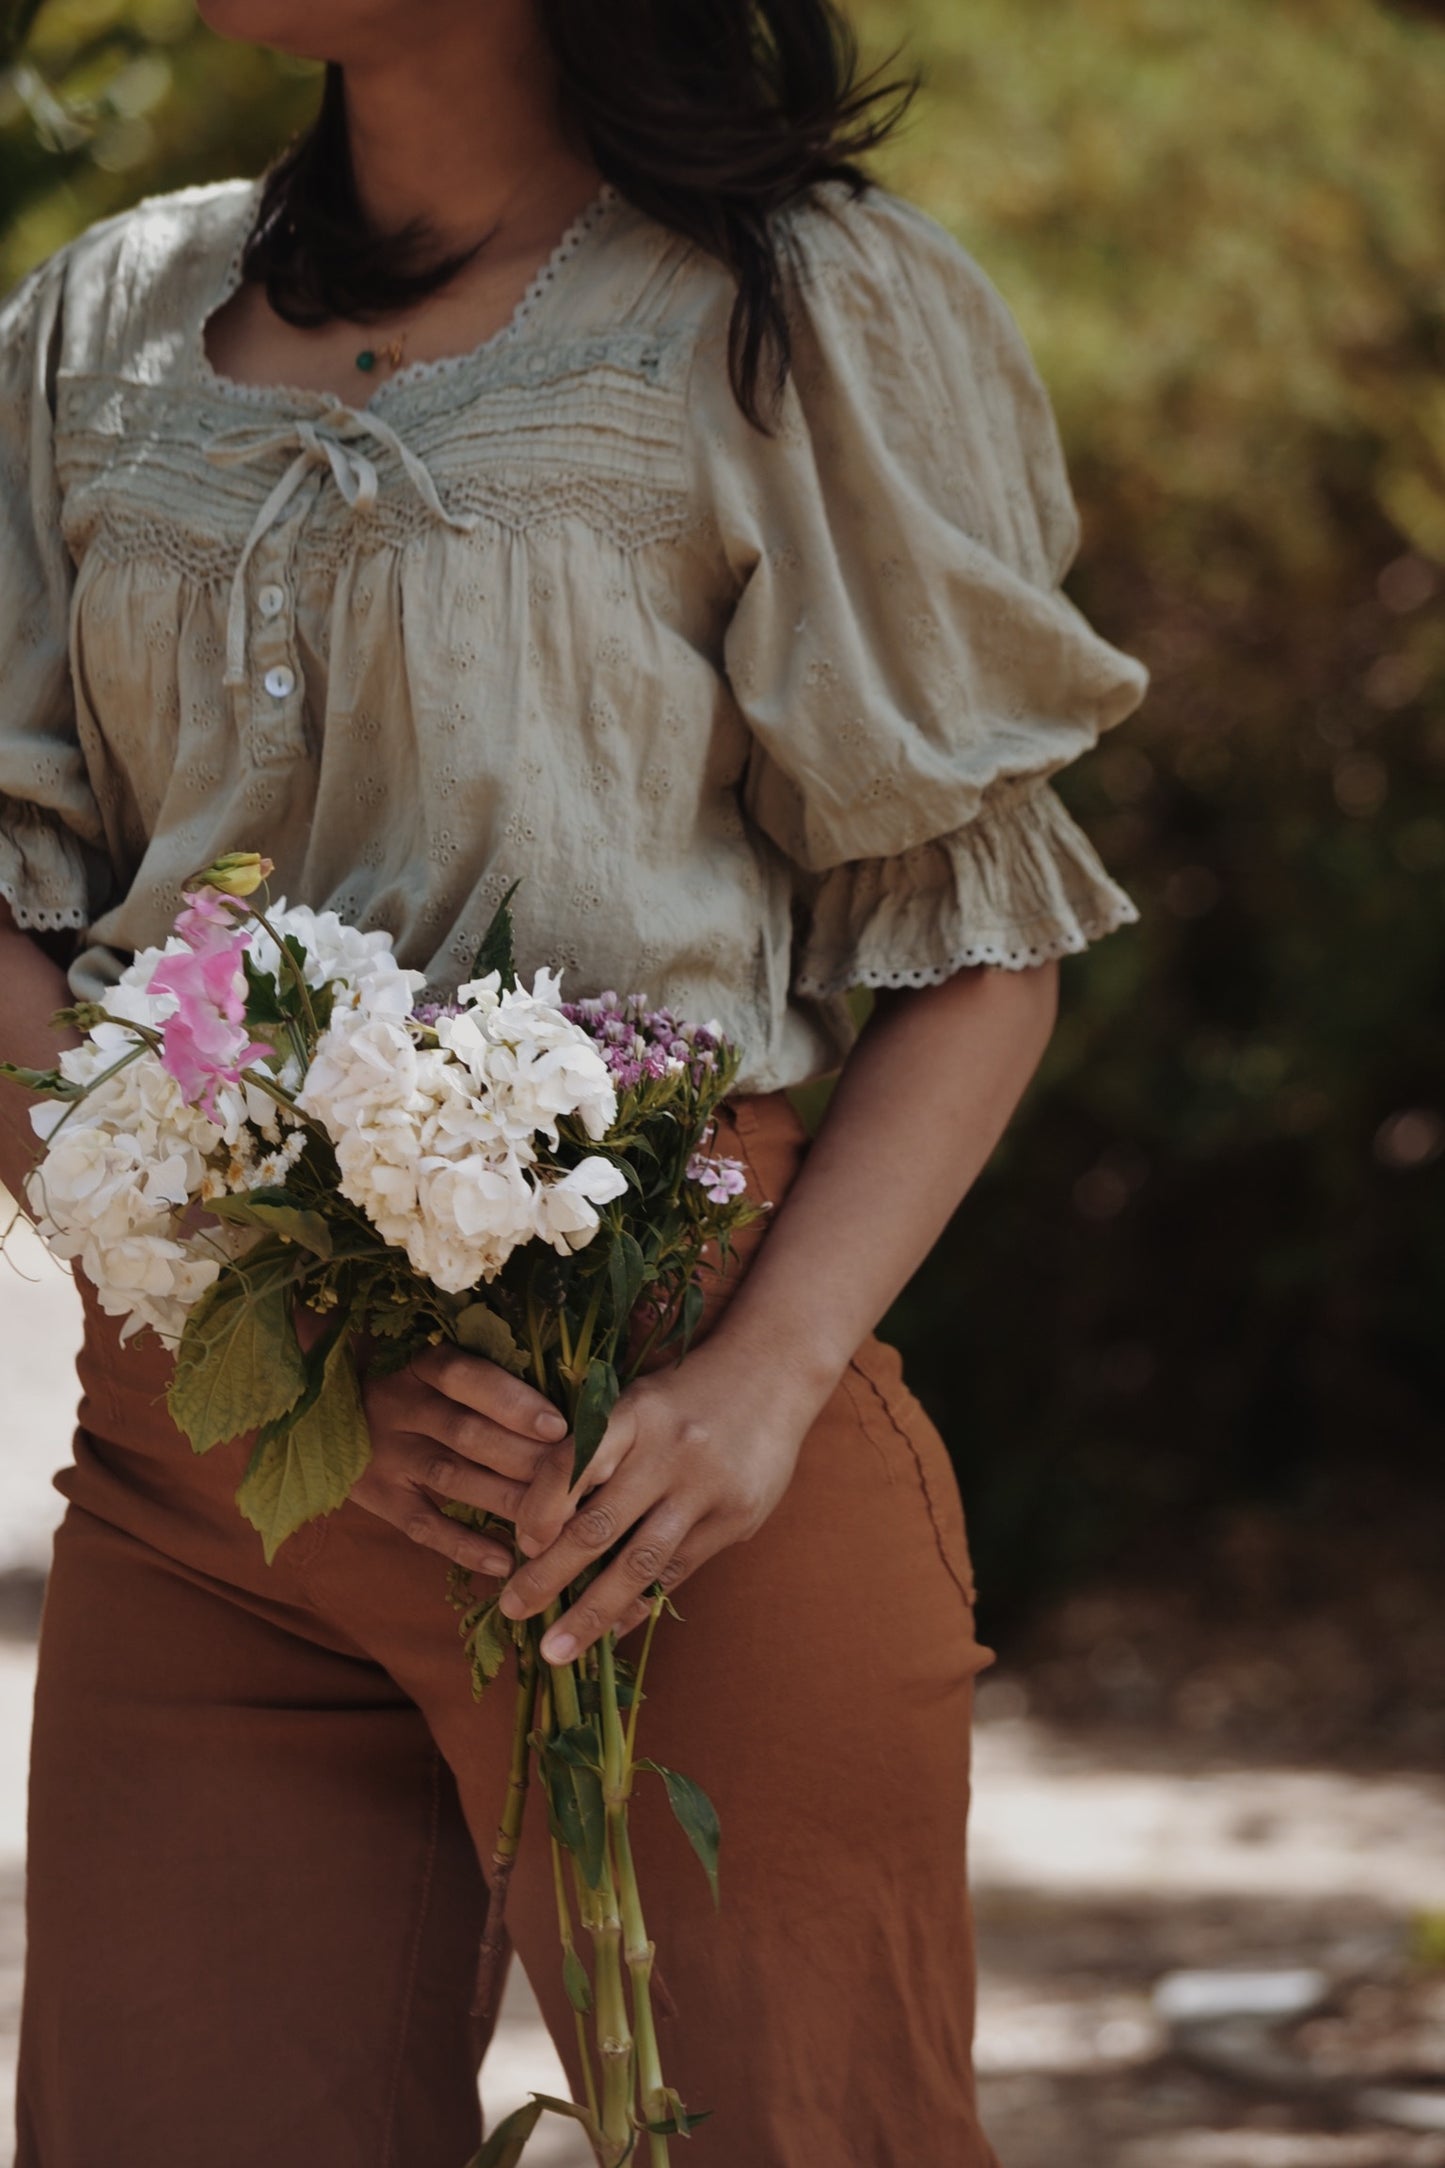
(694, 1458)
(453, 1426)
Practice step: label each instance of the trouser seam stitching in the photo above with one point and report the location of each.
(408, 1999)
(923, 1484)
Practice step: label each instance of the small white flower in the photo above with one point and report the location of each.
(565, 1214)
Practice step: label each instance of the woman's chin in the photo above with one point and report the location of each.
(306, 32)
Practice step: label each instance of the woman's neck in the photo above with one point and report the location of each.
(463, 130)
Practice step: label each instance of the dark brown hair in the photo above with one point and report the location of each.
(710, 115)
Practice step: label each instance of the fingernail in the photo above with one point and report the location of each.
(529, 1547)
(551, 1425)
(512, 1604)
(559, 1648)
(498, 1564)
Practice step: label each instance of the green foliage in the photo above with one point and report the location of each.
(496, 950)
(481, 1332)
(1209, 1259)
(504, 2148)
(595, 1403)
(276, 1212)
(487, 1638)
(570, 1765)
(239, 1364)
(697, 1817)
(305, 1463)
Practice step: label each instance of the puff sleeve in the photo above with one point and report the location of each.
(910, 670)
(53, 862)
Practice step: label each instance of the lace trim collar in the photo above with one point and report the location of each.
(588, 221)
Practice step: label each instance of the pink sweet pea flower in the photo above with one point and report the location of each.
(209, 919)
(205, 1038)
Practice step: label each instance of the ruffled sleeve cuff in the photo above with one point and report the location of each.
(1019, 885)
(44, 869)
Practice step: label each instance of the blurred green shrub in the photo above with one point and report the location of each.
(1209, 1262)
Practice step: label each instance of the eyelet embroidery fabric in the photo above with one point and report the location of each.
(752, 718)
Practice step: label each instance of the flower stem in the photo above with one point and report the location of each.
(617, 1784)
(96, 1082)
(614, 2033)
(291, 968)
(659, 1598)
(509, 1834)
(569, 1958)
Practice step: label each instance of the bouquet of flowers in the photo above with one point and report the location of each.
(264, 1116)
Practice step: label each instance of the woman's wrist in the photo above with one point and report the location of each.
(771, 1360)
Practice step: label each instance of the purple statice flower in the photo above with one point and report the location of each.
(427, 1012)
(721, 1179)
(640, 1043)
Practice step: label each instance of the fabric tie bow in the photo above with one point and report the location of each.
(320, 443)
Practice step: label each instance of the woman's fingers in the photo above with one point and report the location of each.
(553, 1498)
(407, 1507)
(664, 1549)
(631, 1620)
(487, 1389)
(431, 1467)
(407, 1403)
(602, 1519)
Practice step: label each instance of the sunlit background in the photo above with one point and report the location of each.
(1185, 1340)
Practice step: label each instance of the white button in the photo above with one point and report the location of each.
(280, 683)
(271, 601)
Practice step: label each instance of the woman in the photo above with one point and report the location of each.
(337, 528)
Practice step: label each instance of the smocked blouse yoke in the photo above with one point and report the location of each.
(752, 719)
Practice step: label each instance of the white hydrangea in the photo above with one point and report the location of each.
(125, 1168)
(119, 1172)
(364, 964)
(439, 1145)
(536, 1064)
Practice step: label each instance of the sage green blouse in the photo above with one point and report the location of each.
(752, 719)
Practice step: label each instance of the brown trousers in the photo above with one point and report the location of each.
(259, 1795)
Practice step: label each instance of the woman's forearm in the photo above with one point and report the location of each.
(923, 1099)
(32, 988)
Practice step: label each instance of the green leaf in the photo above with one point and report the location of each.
(589, 1693)
(489, 1642)
(627, 1269)
(49, 1081)
(577, 1985)
(698, 1816)
(595, 1403)
(304, 1465)
(239, 1364)
(279, 1214)
(678, 2123)
(692, 1303)
(495, 952)
(591, 1851)
(576, 1811)
(505, 2146)
(482, 1332)
(263, 995)
(564, 2107)
(580, 1747)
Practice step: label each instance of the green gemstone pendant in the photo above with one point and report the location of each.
(366, 359)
